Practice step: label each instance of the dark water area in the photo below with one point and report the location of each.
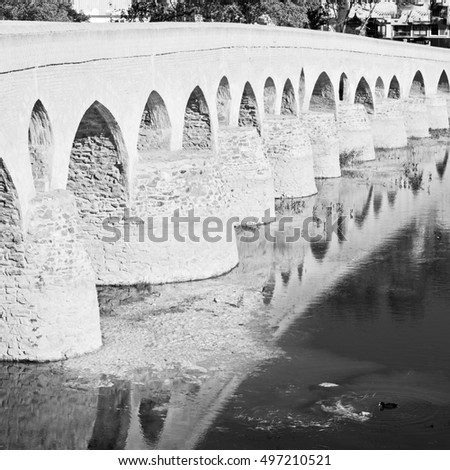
(361, 317)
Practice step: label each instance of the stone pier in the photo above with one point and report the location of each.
(322, 130)
(145, 244)
(355, 133)
(48, 300)
(416, 118)
(437, 112)
(388, 125)
(247, 172)
(288, 148)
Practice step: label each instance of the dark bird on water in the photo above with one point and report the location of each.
(387, 406)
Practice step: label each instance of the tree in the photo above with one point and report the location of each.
(294, 13)
(40, 10)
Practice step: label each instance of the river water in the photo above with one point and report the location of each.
(361, 317)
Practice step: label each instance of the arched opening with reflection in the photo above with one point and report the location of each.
(394, 89)
(301, 90)
(288, 101)
(270, 96)
(223, 102)
(364, 96)
(40, 146)
(155, 127)
(323, 99)
(417, 89)
(197, 122)
(97, 168)
(379, 89)
(248, 110)
(344, 91)
(443, 85)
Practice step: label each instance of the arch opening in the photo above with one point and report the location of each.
(417, 89)
(288, 100)
(379, 89)
(248, 110)
(344, 88)
(40, 146)
(301, 91)
(97, 168)
(443, 85)
(155, 128)
(197, 122)
(270, 96)
(223, 101)
(364, 96)
(11, 236)
(394, 89)
(322, 99)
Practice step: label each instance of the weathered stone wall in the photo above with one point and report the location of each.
(355, 133)
(388, 125)
(42, 274)
(288, 149)
(38, 410)
(416, 117)
(247, 171)
(164, 182)
(322, 130)
(437, 112)
(197, 124)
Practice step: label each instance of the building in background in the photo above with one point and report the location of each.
(101, 11)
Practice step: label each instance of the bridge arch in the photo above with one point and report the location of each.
(417, 89)
(379, 89)
(155, 127)
(248, 109)
(223, 102)
(443, 84)
(323, 97)
(363, 95)
(197, 122)
(344, 88)
(288, 100)
(98, 168)
(394, 89)
(40, 146)
(270, 96)
(301, 91)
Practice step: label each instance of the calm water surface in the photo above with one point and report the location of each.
(366, 312)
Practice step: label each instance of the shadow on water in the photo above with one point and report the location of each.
(362, 317)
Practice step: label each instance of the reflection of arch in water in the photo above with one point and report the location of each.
(377, 202)
(285, 276)
(391, 196)
(442, 166)
(269, 289)
(342, 228)
(360, 216)
(319, 249)
(300, 272)
(113, 418)
(151, 421)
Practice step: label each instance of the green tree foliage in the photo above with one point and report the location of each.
(39, 10)
(294, 13)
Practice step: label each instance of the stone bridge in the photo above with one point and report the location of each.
(105, 126)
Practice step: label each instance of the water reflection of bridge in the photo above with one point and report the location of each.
(293, 276)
